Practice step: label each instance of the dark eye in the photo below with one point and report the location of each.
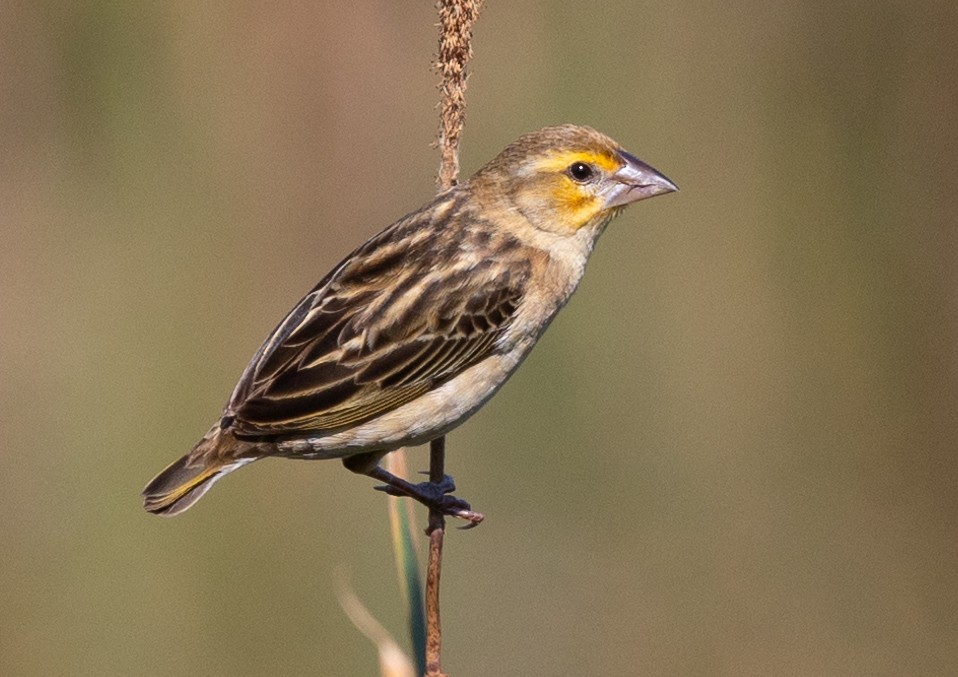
(581, 171)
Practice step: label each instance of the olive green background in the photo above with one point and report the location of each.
(734, 453)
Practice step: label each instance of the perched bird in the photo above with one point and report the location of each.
(416, 329)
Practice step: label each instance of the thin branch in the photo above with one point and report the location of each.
(456, 18)
(436, 531)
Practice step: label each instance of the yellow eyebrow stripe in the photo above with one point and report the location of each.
(560, 161)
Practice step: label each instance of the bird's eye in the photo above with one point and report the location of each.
(581, 171)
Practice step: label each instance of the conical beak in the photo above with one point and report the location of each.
(636, 181)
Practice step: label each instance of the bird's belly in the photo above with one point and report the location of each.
(425, 418)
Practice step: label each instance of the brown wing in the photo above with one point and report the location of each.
(381, 330)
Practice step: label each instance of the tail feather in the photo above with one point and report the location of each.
(185, 481)
(178, 487)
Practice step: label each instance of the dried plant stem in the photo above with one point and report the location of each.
(456, 18)
(433, 626)
(436, 531)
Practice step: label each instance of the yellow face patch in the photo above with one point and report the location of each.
(577, 203)
(561, 161)
(554, 201)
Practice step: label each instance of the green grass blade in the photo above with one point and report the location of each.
(402, 522)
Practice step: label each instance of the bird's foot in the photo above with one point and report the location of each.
(435, 496)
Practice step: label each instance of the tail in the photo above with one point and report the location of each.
(185, 481)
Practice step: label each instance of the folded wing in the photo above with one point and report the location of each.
(379, 332)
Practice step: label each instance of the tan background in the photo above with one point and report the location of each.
(733, 454)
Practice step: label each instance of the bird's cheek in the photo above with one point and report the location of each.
(574, 208)
(558, 208)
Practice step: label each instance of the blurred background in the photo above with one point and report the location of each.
(734, 453)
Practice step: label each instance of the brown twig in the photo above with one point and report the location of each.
(436, 531)
(456, 18)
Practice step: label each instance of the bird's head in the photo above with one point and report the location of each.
(566, 178)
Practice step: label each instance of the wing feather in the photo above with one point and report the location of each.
(384, 328)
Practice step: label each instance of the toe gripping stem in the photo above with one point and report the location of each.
(433, 495)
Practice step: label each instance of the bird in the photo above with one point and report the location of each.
(417, 328)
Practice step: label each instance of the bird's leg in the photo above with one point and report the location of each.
(430, 494)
